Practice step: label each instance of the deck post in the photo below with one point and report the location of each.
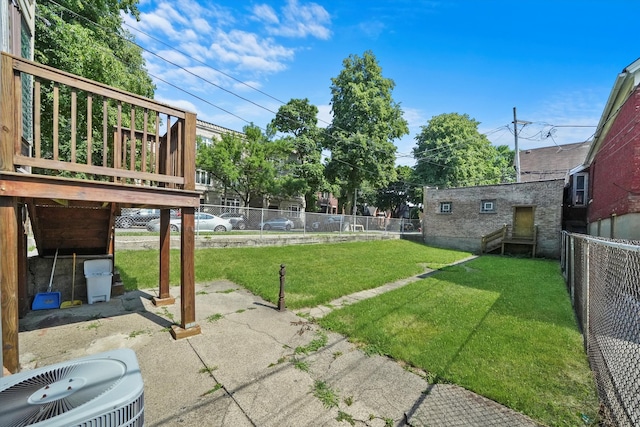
(9, 282)
(9, 269)
(189, 152)
(165, 297)
(188, 326)
(23, 295)
(8, 104)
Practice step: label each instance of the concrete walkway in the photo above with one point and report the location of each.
(244, 370)
(323, 310)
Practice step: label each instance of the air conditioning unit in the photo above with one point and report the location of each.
(103, 390)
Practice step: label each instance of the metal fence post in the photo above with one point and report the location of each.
(283, 272)
(572, 274)
(586, 301)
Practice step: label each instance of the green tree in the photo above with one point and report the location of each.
(88, 39)
(303, 171)
(504, 164)
(246, 167)
(399, 194)
(366, 121)
(450, 152)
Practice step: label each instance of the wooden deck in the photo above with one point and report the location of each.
(502, 238)
(73, 153)
(531, 240)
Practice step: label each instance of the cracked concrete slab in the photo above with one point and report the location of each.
(243, 370)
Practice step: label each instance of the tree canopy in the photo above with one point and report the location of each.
(399, 194)
(450, 152)
(366, 121)
(88, 39)
(302, 171)
(245, 167)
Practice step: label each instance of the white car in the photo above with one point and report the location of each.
(203, 222)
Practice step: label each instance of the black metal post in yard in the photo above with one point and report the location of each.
(281, 306)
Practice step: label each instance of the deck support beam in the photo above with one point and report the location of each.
(164, 297)
(188, 326)
(9, 282)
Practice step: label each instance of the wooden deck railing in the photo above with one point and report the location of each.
(56, 123)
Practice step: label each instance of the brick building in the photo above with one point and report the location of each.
(458, 217)
(613, 162)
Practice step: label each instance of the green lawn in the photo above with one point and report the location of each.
(315, 274)
(501, 327)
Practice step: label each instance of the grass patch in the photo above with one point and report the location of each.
(343, 416)
(93, 325)
(214, 317)
(354, 266)
(134, 334)
(315, 344)
(326, 394)
(207, 370)
(301, 365)
(213, 390)
(501, 327)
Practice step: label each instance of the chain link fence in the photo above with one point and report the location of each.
(265, 220)
(603, 279)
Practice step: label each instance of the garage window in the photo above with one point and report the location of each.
(487, 206)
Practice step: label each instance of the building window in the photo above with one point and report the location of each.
(487, 206)
(580, 182)
(294, 211)
(232, 203)
(445, 207)
(203, 177)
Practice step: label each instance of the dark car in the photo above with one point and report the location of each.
(238, 220)
(332, 223)
(280, 223)
(140, 217)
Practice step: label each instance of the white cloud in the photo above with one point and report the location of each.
(249, 52)
(372, 29)
(298, 20)
(174, 57)
(179, 103)
(246, 86)
(238, 48)
(265, 13)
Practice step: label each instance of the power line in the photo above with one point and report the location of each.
(336, 138)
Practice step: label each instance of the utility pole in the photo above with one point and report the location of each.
(515, 134)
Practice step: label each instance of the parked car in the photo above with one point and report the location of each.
(140, 217)
(279, 223)
(238, 220)
(203, 222)
(332, 223)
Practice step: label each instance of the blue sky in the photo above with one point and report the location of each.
(234, 62)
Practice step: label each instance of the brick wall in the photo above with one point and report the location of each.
(464, 227)
(615, 170)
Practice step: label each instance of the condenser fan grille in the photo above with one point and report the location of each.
(71, 391)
